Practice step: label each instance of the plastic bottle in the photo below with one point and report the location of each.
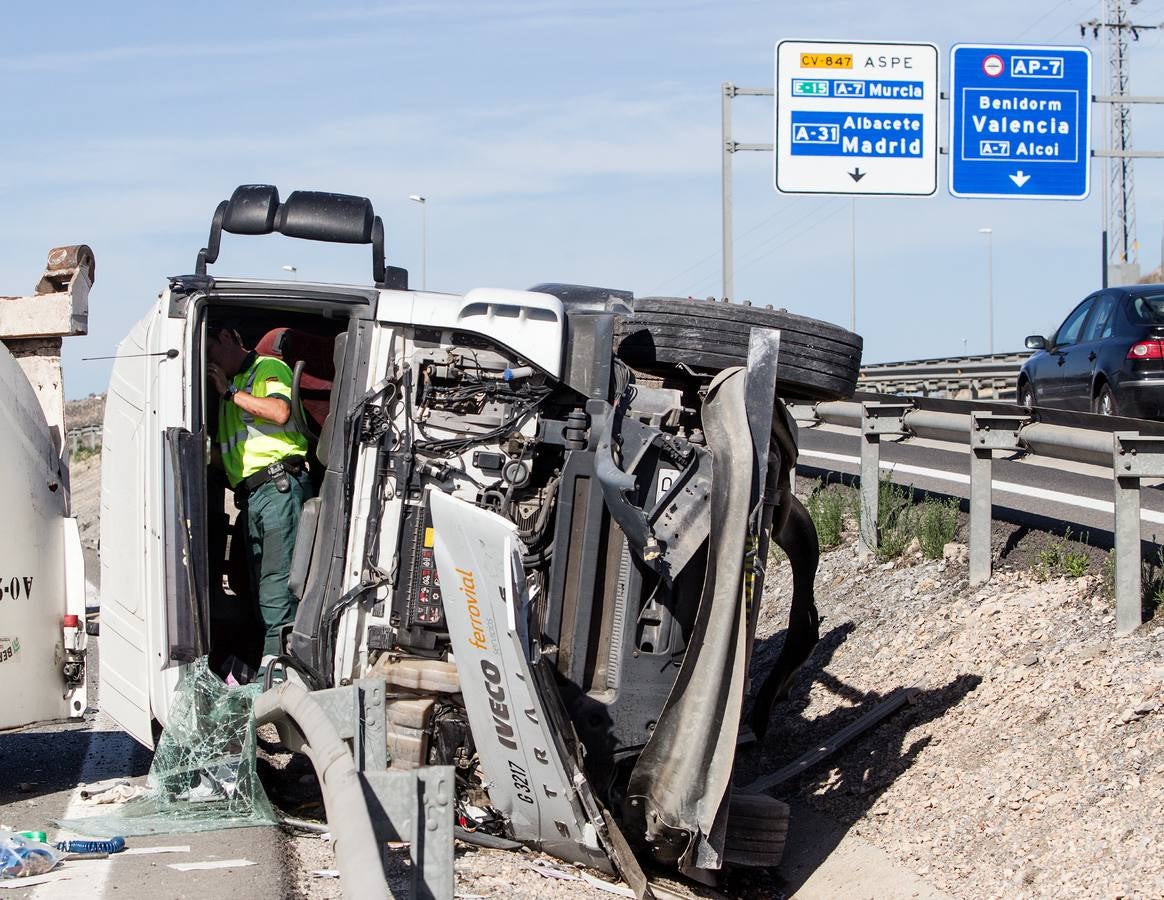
(21, 857)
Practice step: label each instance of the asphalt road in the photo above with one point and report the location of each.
(1043, 492)
(44, 767)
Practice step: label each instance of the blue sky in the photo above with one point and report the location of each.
(555, 141)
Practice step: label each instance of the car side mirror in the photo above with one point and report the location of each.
(1036, 342)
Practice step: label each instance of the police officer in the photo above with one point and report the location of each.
(263, 454)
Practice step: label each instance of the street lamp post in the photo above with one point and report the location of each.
(989, 232)
(423, 201)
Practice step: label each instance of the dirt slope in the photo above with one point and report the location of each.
(1032, 763)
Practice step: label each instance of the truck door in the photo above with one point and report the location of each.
(154, 582)
(42, 574)
(125, 670)
(151, 580)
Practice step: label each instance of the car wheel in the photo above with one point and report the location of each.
(818, 360)
(1104, 403)
(1026, 395)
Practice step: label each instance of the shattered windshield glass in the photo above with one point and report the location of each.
(203, 776)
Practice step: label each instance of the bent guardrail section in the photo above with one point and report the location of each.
(366, 803)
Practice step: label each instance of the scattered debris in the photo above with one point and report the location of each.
(142, 851)
(118, 793)
(610, 887)
(549, 870)
(33, 880)
(212, 864)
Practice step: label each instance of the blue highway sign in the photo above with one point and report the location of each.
(1020, 122)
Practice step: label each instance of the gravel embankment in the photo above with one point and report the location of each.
(1031, 763)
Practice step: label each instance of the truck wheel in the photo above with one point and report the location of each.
(757, 830)
(818, 361)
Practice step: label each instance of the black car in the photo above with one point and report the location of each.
(1107, 357)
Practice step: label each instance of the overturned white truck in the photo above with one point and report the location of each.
(541, 517)
(42, 570)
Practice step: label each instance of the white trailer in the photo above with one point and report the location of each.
(42, 571)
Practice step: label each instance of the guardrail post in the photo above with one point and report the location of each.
(988, 432)
(876, 419)
(1134, 456)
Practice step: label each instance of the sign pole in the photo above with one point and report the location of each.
(729, 90)
(853, 265)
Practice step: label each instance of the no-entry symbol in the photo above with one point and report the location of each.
(992, 65)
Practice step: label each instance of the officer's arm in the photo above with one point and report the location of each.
(273, 409)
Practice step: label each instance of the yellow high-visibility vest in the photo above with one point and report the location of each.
(250, 443)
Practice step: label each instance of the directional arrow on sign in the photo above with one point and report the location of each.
(1019, 178)
(857, 174)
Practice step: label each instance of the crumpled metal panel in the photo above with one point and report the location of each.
(679, 784)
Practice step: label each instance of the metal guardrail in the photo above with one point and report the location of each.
(85, 438)
(962, 377)
(1132, 449)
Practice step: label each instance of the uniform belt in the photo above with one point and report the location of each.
(292, 465)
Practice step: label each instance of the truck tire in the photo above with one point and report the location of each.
(818, 360)
(757, 830)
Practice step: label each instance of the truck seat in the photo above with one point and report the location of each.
(314, 383)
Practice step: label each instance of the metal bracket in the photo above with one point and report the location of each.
(416, 806)
(884, 418)
(1137, 455)
(996, 431)
(357, 712)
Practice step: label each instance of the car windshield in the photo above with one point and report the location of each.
(1148, 309)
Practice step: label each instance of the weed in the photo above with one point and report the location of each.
(1153, 581)
(1107, 585)
(894, 519)
(85, 452)
(1075, 563)
(937, 520)
(1061, 558)
(827, 507)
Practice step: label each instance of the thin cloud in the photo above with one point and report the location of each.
(81, 59)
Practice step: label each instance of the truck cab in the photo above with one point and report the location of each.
(552, 554)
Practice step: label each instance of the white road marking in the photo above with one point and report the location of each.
(1010, 487)
(91, 880)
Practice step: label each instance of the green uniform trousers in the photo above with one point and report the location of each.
(272, 521)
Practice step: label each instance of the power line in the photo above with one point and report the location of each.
(782, 211)
(1046, 15)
